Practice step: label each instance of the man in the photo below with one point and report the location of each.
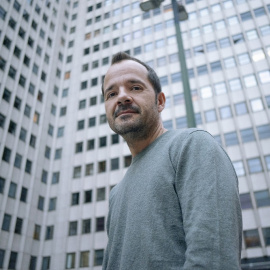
(178, 205)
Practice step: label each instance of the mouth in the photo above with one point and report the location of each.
(126, 112)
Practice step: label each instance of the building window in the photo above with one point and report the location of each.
(2, 120)
(72, 228)
(229, 62)
(114, 138)
(98, 257)
(181, 122)
(206, 92)
(201, 70)
(37, 231)
(239, 168)
(263, 131)
(246, 16)
(84, 258)
(94, 81)
(33, 263)
(32, 141)
(46, 263)
(2, 184)
(52, 204)
(101, 192)
(102, 166)
(266, 231)
(75, 198)
(91, 144)
(247, 135)
(6, 154)
(80, 125)
(231, 138)
(70, 261)
(254, 165)
(55, 177)
(262, 198)
(103, 141)
(22, 135)
(240, 108)
(105, 61)
(41, 203)
(18, 161)
(88, 196)
(36, 118)
(127, 161)
(44, 176)
(89, 169)
(24, 192)
(235, 84)
(12, 190)
(210, 116)
(250, 81)
(103, 119)
(12, 127)
(251, 238)
(82, 104)
(220, 88)
(86, 226)
(6, 95)
(224, 43)
(6, 222)
(215, 66)
(12, 260)
(264, 75)
(79, 147)
(92, 121)
(18, 225)
(256, 105)
(267, 161)
(77, 172)
(252, 34)
(27, 110)
(49, 232)
(265, 30)
(245, 201)
(225, 112)
(100, 224)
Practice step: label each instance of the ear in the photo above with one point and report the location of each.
(161, 101)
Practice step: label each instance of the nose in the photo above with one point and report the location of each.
(123, 97)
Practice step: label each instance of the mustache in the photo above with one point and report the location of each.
(126, 107)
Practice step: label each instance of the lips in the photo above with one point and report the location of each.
(125, 112)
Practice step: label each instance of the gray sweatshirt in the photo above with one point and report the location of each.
(176, 208)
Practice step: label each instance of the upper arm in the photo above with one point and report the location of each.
(207, 188)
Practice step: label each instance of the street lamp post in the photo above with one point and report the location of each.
(180, 14)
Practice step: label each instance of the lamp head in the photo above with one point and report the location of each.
(147, 5)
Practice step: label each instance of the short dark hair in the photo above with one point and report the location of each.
(152, 76)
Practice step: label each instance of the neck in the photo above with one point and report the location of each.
(137, 144)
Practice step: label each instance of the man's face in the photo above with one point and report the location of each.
(132, 107)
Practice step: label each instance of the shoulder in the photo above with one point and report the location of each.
(179, 139)
(189, 143)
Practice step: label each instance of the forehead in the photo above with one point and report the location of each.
(126, 69)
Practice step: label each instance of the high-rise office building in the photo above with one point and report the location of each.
(58, 157)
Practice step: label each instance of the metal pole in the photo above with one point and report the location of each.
(185, 80)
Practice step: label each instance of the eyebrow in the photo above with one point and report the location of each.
(109, 88)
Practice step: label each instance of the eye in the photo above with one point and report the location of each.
(136, 87)
(110, 95)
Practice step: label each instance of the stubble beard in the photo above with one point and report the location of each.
(133, 130)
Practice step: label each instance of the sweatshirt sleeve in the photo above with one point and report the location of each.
(207, 188)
